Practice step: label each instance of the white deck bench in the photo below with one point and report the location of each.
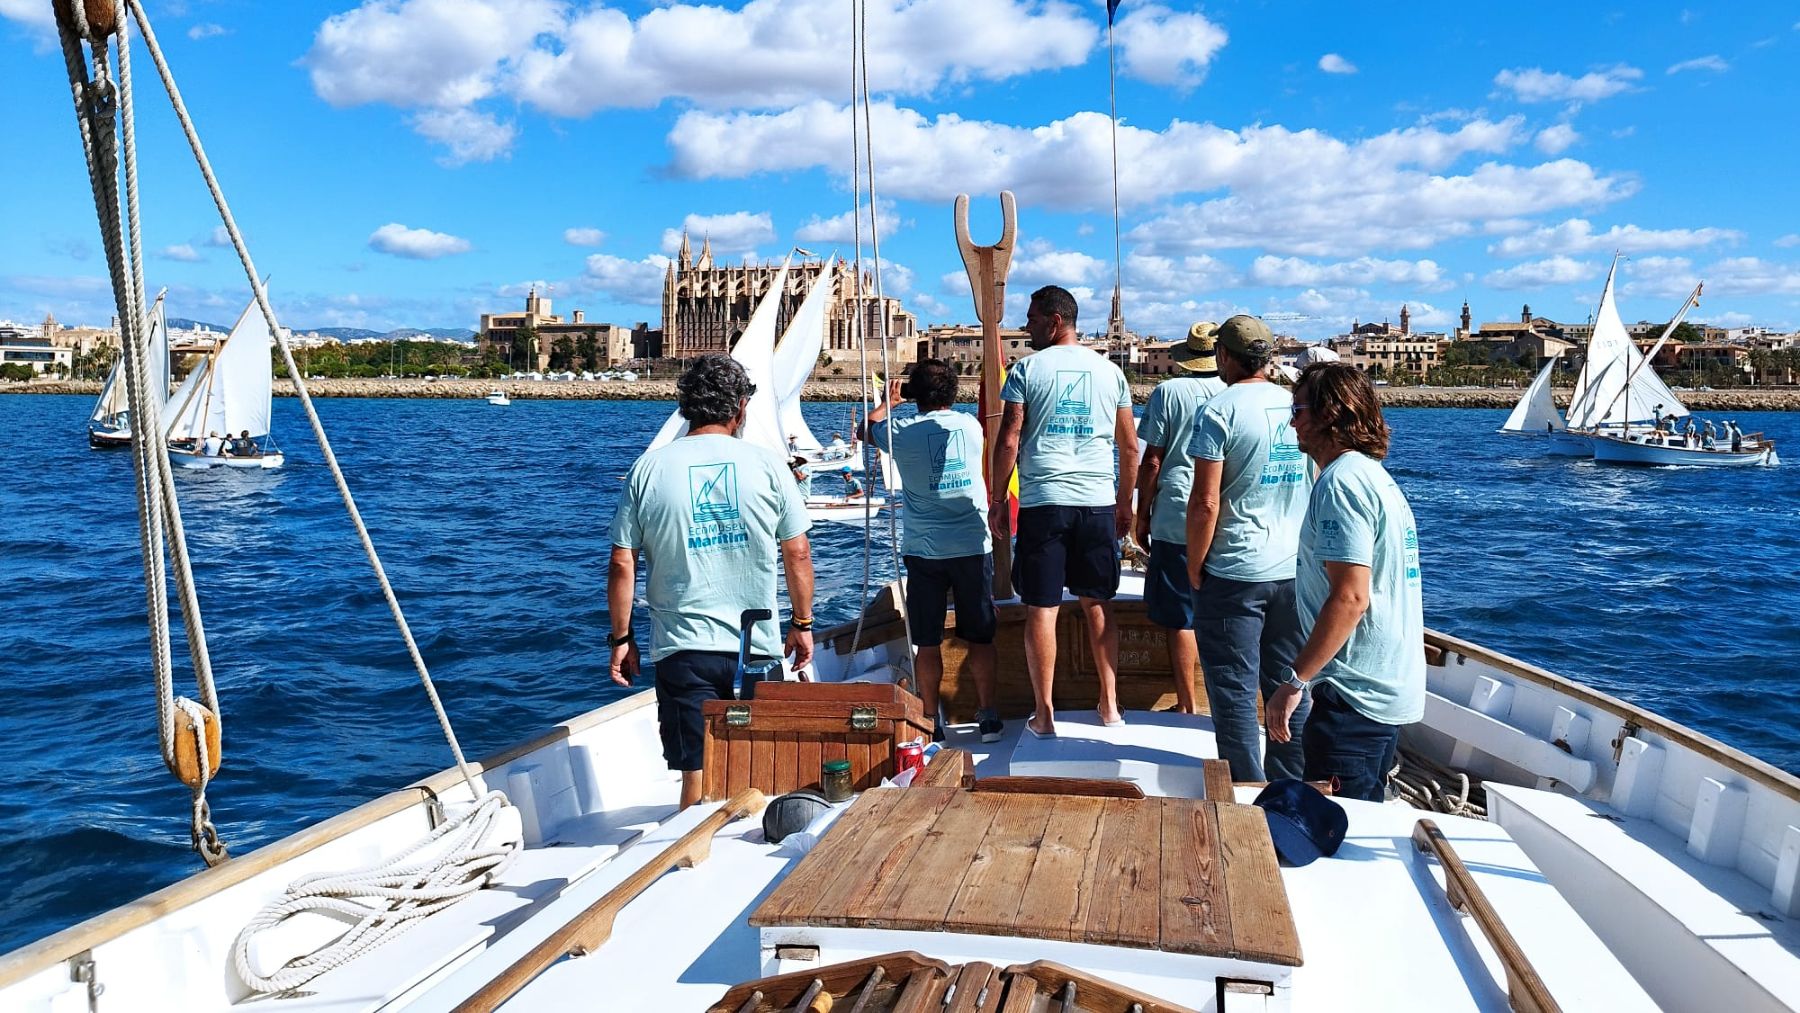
(1698, 935)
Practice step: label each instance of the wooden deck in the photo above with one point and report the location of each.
(1173, 874)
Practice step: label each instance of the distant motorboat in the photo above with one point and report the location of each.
(498, 397)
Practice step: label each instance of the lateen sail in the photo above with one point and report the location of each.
(1536, 411)
(231, 389)
(1612, 357)
(113, 400)
(796, 356)
(756, 352)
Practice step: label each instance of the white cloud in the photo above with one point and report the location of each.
(573, 59)
(416, 244)
(1332, 63)
(207, 30)
(1040, 263)
(1790, 240)
(470, 136)
(219, 237)
(1577, 235)
(1534, 84)
(1164, 47)
(183, 252)
(638, 282)
(1556, 139)
(1294, 272)
(1751, 276)
(1166, 279)
(841, 228)
(1065, 164)
(31, 13)
(1712, 62)
(1557, 270)
(739, 232)
(584, 237)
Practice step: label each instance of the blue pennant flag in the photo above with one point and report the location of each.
(1112, 7)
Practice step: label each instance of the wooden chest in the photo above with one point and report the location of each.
(778, 742)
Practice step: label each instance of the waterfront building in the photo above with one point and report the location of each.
(598, 345)
(960, 346)
(706, 305)
(38, 353)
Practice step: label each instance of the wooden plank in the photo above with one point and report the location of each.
(1046, 978)
(879, 864)
(1056, 900)
(946, 770)
(807, 759)
(991, 892)
(858, 748)
(712, 763)
(921, 892)
(977, 989)
(1217, 776)
(787, 756)
(1126, 909)
(834, 748)
(1525, 989)
(737, 761)
(762, 761)
(795, 897)
(1196, 914)
(1094, 787)
(1262, 924)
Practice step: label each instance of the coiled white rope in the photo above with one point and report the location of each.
(378, 902)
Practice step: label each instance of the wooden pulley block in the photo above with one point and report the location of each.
(102, 16)
(187, 758)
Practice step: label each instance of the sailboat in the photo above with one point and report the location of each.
(220, 415)
(109, 425)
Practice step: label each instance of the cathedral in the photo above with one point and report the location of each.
(706, 305)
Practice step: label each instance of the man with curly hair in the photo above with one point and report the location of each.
(1358, 589)
(710, 513)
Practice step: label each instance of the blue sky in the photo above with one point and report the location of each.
(416, 162)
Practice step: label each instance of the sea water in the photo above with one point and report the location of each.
(1672, 588)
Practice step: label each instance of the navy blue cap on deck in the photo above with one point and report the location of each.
(1304, 824)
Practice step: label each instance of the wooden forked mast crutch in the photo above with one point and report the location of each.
(987, 267)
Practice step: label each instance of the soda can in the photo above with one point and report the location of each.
(909, 756)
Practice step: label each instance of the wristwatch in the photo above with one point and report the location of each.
(629, 637)
(1289, 677)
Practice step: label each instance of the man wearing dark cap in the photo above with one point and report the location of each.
(1243, 529)
(1164, 479)
(711, 513)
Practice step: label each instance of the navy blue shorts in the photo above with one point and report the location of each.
(930, 583)
(1065, 546)
(685, 680)
(1168, 597)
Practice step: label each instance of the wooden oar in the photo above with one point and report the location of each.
(987, 267)
(590, 929)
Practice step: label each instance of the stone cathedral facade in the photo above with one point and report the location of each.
(706, 305)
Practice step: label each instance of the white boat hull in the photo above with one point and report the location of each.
(199, 462)
(1620, 450)
(845, 511)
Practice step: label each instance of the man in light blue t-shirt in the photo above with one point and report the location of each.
(946, 545)
(710, 513)
(1164, 480)
(1243, 524)
(1067, 409)
(1361, 607)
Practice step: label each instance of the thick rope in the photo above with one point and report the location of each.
(858, 330)
(306, 403)
(379, 902)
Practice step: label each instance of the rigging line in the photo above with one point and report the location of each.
(299, 380)
(857, 13)
(1112, 96)
(882, 327)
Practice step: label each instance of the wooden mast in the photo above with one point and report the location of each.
(987, 267)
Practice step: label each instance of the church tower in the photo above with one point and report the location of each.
(1405, 319)
(1466, 331)
(686, 257)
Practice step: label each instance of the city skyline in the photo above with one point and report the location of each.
(411, 164)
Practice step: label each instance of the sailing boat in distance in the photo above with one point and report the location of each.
(109, 425)
(220, 415)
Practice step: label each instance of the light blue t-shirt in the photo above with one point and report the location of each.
(1168, 422)
(1072, 396)
(709, 514)
(1262, 493)
(1358, 515)
(939, 458)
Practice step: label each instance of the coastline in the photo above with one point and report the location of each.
(1783, 399)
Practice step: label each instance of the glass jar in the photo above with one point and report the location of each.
(835, 780)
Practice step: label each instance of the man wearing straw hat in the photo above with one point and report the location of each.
(1165, 476)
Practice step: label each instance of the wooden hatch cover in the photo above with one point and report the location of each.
(1174, 874)
(909, 982)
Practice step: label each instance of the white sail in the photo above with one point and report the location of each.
(755, 350)
(243, 377)
(1612, 363)
(1536, 411)
(796, 356)
(113, 399)
(112, 396)
(185, 417)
